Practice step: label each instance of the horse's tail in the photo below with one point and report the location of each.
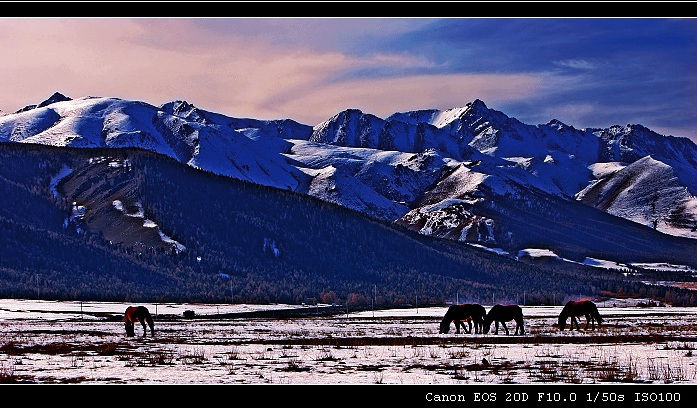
(480, 315)
(481, 311)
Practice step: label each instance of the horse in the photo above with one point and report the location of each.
(468, 312)
(577, 309)
(138, 314)
(504, 313)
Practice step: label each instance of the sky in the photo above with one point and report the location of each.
(585, 72)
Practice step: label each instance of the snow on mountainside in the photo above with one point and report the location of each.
(647, 192)
(459, 173)
(631, 143)
(446, 209)
(376, 182)
(247, 149)
(353, 128)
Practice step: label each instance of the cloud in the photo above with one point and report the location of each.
(384, 96)
(576, 64)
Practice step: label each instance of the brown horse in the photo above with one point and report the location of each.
(138, 314)
(504, 313)
(468, 312)
(577, 309)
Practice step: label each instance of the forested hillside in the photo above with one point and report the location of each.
(68, 232)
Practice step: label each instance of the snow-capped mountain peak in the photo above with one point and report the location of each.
(184, 110)
(559, 125)
(56, 97)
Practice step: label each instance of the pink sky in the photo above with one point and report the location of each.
(160, 60)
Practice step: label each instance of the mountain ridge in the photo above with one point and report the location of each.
(399, 169)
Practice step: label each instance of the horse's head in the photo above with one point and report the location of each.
(444, 327)
(562, 321)
(130, 331)
(486, 324)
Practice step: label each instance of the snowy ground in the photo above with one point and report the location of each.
(84, 343)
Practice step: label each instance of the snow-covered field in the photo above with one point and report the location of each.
(48, 342)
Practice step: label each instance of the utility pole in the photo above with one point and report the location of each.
(37, 287)
(375, 289)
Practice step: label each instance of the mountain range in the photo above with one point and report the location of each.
(541, 194)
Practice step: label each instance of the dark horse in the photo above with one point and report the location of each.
(468, 312)
(502, 314)
(138, 314)
(577, 309)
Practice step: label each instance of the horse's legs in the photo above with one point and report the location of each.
(460, 323)
(519, 325)
(145, 328)
(504, 327)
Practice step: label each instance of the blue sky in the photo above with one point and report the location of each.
(586, 72)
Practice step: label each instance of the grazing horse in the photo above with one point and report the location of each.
(138, 314)
(577, 309)
(504, 313)
(468, 312)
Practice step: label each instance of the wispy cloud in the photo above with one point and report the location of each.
(576, 64)
(384, 96)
